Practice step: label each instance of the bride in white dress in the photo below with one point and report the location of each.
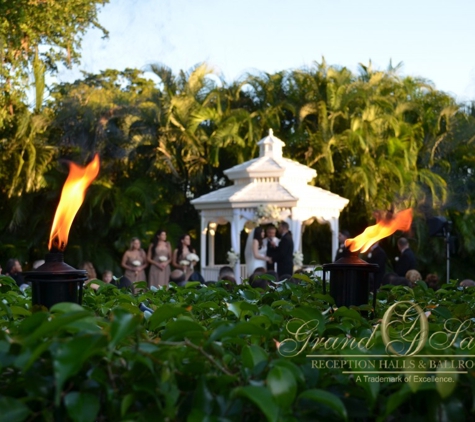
(255, 252)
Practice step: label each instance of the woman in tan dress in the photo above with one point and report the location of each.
(159, 256)
(135, 261)
(180, 253)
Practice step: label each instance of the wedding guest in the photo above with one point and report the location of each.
(283, 252)
(178, 277)
(226, 273)
(180, 254)
(90, 270)
(376, 255)
(432, 281)
(285, 277)
(396, 280)
(467, 283)
(14, 270)
(159, 256)
(256, 281)
(134, 261)
(342, 251)
(273, 274)
(413, 276)
(107, 276)
(407, 260)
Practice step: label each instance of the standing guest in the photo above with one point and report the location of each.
(342, 251)
(376, 255)
(180, 254)
(283, 252)
(134, 262)
(406, 260)
(13, 269)
(271, 232)
(159, 256)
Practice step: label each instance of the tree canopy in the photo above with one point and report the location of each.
(382, 140)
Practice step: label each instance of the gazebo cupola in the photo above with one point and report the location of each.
(270, 146)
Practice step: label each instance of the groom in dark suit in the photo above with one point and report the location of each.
(283, 254)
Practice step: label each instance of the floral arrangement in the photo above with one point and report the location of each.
(184, 262)
(136, 263)
(233, 257)
(267, 214)
(162, 258)
(298, 259)
(192, 257)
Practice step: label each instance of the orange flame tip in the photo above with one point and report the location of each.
(384, 228)
(72, 197)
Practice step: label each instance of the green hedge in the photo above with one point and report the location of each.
(210, 354)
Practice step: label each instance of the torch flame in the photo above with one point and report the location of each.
(384, 228)
(72, 197)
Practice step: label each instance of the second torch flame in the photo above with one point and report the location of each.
(72, 197)
(384, 228)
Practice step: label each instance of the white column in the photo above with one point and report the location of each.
(335, 230)
(212, 233)
(236, 244)
(204, 231)
(295, 224)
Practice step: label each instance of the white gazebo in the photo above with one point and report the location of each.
(269, 179)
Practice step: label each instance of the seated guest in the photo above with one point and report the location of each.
(467, 283)
(123, 282)
(396, 280)
(273, 274)
(107, 276)
(413, 276)
(226, 273)
(90, 271)
(178, 277)
(13, 269)
(256, 281)
(432, 281)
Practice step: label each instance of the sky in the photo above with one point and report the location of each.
(434, 39)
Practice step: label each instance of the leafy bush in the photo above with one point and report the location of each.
(208, 353)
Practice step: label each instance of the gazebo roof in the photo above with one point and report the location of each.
(270, 179)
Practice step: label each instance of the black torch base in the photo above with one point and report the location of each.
(349, 281)
(55, 282)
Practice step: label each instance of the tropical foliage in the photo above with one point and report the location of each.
(218, 353)
(381, 140)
